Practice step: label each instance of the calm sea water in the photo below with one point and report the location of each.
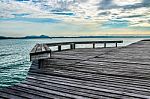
(14, 56)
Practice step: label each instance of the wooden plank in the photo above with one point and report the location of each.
(48, 95)
(104, 78)
(8, 95)
(116, 69)
(93, 85)
(41, 51)
(81, 42)
(43, 48)
(22, 94)
(39, 48)
(3, 98)
(121, 73)
(91, 65)
(56, 92)
(97, 78)
(87, 75)
(110, 91)
(34, 48)
(142, 88)
(102, 82)
(69, 89)
(46, 47)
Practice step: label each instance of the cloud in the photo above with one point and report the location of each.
(105, 13)
(83, 1)
(116, 24)
(36, 20)
(125, 4)
(146, 2)
(12, 28)
(90, 15)
(64, 13)
(107, 4)
(138, 4)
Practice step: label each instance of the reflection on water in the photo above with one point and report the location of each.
(14, 55)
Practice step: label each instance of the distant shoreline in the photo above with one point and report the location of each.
(47, 37)
(106, 37)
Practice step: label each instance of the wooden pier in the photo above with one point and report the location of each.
(87, 73)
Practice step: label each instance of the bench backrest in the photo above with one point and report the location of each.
(40, 51)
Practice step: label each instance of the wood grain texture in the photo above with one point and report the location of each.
(40, 51)
(99, 73)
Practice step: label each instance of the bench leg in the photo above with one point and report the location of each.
(40, 63)
(116, 45)
(104, 45)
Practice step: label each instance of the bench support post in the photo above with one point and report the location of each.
(40, 63)
(116, 44)
(93, 45)
(72, 46)
(59, 47)
(104, 45)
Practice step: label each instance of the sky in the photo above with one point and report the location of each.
(74, 17)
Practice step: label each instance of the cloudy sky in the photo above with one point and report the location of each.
(74, 17)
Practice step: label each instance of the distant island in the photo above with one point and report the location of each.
(26, 37)
(33, 37)
(47, 37)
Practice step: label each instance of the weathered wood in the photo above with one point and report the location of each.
(104, 45)
(92, 85)
(99, 73)
(59, 47)
(71, 47)
(81, 42)
(66, 89)
(55, 91)
(48, 95)
(10, 96)
(103, 80)
(93, 45)
(40, 52)
(40, 63)
(73, 44)
(34, 48)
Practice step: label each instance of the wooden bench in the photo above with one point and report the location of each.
(39, 53)
(42, 51)
(73, 44)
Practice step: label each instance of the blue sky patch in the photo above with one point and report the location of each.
(82, 17)
(116, 24)
(21, 15)
(36, 20)
(64, 13)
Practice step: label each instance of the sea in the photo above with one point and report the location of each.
(14, 55)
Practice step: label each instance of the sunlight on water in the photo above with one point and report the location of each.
(14, 56)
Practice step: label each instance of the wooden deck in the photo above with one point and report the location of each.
(100, 73)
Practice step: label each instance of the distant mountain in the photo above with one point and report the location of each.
(33, 37)
(3, 37)
(45, 36)
(26, 37)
